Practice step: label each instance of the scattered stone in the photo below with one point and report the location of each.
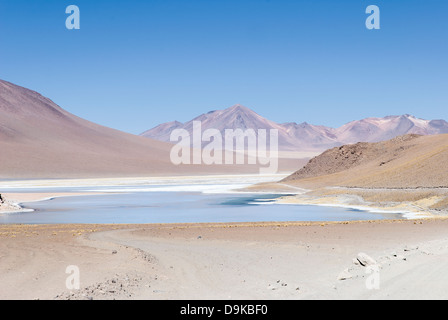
(365, 260)
(115, 288)
(344, 275)
(398, 256)
(146, 256)
(114, 252)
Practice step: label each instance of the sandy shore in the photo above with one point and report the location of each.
(226, 261)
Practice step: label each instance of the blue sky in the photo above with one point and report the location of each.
(134, 64)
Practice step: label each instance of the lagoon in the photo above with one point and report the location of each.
(175, 204)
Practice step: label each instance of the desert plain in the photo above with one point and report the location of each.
(400, 259)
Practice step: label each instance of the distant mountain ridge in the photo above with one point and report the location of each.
(39, 139)
(303, 136)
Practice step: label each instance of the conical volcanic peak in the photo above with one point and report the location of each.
(302, 136)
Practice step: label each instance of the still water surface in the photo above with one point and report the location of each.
(168, 204)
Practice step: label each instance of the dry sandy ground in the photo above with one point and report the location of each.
(227, 261)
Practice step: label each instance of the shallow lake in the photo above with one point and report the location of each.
(174, 204)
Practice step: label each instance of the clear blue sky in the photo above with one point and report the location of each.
(134, 64)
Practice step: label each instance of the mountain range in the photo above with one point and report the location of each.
(303, 136)
(39, 139)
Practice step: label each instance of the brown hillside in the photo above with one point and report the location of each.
(409, 161)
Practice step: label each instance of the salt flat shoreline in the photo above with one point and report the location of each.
(412, 203)
(13, 200)
(225, 261)
(409, 211)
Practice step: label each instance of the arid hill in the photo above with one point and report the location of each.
(39, 139)
(409, 161)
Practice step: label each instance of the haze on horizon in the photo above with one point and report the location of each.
(134, 65)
